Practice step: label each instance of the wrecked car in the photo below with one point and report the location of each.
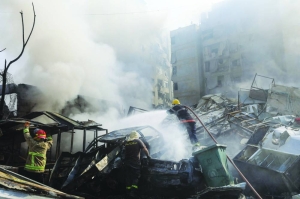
(98, 172)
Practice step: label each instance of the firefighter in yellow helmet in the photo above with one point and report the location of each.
(186, 119)
(133, 147)
(36, 159)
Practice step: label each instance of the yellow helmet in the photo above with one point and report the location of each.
(133, 135)
(175, 102)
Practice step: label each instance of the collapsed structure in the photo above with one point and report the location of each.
(259, 131)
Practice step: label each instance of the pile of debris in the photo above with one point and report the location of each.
(259, 132)
(264, 126)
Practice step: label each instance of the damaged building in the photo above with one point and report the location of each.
(232, 42)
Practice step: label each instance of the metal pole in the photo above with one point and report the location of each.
(253, 80)
(84, 140)
(58, 144)
(212, 137)
(72, 140)
(13, 146)
(96, 138)
(95, 145)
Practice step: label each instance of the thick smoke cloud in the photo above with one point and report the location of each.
(72, 51)
(104, 49)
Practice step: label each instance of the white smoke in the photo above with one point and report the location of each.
(73, 52)
(176, 138)
(104, 49)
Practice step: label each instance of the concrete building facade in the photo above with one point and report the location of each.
(235, 40)
(186, 64)
(162, 87)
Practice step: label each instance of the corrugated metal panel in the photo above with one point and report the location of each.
(20, 184)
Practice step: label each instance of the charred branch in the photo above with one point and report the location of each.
(6, 66)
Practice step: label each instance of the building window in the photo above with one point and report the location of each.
(214, 52)
(236, 79)
(207, 66)
(173, 57)
(166, 85)
(159, 82)
(174, 71)
(236, 62)
(173, 40)
(220, 80)
(175, 85)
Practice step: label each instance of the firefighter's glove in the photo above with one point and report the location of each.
(26, 130)
(49, 138)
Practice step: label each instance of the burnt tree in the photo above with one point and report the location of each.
(6, 66)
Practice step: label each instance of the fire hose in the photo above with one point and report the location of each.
(226, 155)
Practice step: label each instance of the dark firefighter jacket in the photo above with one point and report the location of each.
(181, 113)
(36, 159)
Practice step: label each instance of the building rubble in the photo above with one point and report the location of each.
(259, 131)
(264, 124)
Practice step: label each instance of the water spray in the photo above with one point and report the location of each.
(212, 137)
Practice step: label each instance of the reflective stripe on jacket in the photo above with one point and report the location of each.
(36, 159)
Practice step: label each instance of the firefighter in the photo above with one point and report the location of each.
(132, 163)
(36, 159)
(186, 119)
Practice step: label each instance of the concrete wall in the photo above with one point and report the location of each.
(185, 59)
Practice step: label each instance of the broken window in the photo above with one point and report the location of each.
(174, 71)
(236, 62)
(173, 40)
(175, 86)
(161, 95)
(220, 80)
(235, 79)
(207, 66)
(166, 84)
(214, 51)
(160, 82)
(173, 58)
